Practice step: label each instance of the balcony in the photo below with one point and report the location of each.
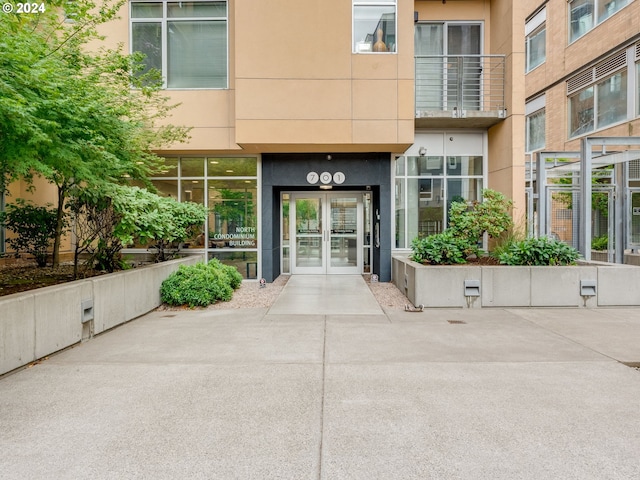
(463, 91)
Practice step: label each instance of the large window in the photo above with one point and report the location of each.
(536, 40)
(603, 95)
(374, 26)
(425, 188)
(228, 187)
(535, 124)
(586, 14)
(599, 106)
(186, 41)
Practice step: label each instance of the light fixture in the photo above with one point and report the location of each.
(422, 151)
(325, 187)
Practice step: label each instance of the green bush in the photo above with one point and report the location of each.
(200, 285)
(467, 224)
(600, 243)
(539, 251)
(34, 226)
(441, 249)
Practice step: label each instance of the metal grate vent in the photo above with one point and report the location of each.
(634, 170)
(579, 81)
(638, 51)
(611, 64)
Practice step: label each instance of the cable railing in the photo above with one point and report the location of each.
(460, 83)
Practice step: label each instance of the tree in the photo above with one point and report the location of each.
(71, 114)
(110, 218)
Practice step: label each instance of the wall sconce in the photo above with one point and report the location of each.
(422, 152)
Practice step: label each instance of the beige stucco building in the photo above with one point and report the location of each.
(327, 134)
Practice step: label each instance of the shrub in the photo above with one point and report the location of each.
(200, 285)
(34, 226)
(441, 249)
(600, 243)
(539, 251)
(465, 230)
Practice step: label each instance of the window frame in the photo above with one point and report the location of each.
(407, 182)
(596, 19)
(533, 109)
(355, 42)
(535, 26)
(623, 62)
(164, 39)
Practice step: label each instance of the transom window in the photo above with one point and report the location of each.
(374, 26)
(186, 41)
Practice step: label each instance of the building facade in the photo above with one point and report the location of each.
(327, 134)
(582, 80)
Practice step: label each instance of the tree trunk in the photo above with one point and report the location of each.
(62, 194)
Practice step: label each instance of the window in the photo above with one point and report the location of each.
(228, 187)
(598, 107)
(598, 97)
(448, 66)
(638, 87)
(374, 26)
(186, 41)
(536, 40)
(586, 14)
(425, 188)
(535, 124)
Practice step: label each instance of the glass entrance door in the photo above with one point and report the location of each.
(326, 233)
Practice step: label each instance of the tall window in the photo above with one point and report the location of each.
(586, 14)
(536, 40)
(374, 26)
(535, 124)
(186, 41)
(448, 66)
(228, 187)
(426, 186)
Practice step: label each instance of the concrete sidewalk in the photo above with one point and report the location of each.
(306, 390)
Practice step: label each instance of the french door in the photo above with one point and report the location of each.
(326, 229)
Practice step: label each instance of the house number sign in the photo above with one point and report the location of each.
(325, 178)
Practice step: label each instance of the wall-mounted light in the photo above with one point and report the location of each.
(422, 152)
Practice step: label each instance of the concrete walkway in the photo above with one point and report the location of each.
(327, 385)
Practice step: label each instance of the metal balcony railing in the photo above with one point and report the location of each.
(459, 84)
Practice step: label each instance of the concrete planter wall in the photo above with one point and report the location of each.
(595, 284)
(39, 322)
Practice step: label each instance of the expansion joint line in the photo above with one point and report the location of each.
(322, 394)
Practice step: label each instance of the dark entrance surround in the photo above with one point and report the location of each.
(362, 171)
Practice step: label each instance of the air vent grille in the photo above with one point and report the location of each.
(581, 80)
(611, 64)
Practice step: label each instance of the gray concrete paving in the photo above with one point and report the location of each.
(356, 392)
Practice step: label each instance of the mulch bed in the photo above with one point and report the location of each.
(22, 275)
